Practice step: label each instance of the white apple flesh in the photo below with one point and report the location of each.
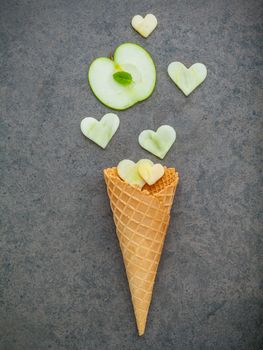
(130, 58)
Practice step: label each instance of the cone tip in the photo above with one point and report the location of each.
(141, 330)
(141, 322)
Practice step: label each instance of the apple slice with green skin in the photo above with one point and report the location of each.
(128, 171)
(126, 79)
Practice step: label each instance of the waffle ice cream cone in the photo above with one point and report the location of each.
(141, 218)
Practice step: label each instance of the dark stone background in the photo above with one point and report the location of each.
(62, 281)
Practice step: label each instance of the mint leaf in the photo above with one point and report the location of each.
(123, 78)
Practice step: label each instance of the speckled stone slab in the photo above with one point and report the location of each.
(62, 280)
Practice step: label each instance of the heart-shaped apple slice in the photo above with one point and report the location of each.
(150, 172)
(145, 26)
(159, 142)
(128, 171)
(101, 131)
(187, 79)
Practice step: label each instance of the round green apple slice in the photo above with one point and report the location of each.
(130, 58)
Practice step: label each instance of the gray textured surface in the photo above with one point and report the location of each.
(62, 281)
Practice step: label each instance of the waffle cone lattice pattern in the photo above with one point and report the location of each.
(141, 218)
